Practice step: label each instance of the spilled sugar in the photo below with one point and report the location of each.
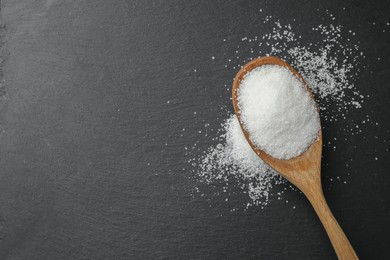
(329, 67)
(234, 158)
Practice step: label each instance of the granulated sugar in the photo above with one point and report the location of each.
(277, 111)
(330, 66)
(234, 158)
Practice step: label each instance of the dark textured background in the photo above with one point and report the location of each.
(84, 170)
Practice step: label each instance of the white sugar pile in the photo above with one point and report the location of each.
(277, 111)
(222, 162)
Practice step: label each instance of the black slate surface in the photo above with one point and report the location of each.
(85, 173)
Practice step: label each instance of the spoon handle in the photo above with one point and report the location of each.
(340, 242)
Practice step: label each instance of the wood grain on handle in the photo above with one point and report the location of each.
(339, 240)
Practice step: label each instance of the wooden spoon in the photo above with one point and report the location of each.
(304, 171)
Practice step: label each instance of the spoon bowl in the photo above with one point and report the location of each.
(304, 170)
